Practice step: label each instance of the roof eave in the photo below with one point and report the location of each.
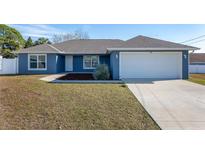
(37, 52)
(64, 53)
(148, 49)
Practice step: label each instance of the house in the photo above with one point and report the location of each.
(139, 57)
(197, 63)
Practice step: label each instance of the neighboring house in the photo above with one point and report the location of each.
(197, 63)
(139, 57)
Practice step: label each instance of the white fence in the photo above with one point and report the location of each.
(8, 66)
(196, 68)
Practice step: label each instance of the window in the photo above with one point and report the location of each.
(37, 62)
(90, 62)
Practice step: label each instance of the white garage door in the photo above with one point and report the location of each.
(150, 65)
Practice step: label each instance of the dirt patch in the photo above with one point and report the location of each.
(77, 76)
(198, 76)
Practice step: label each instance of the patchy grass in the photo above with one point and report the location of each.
(28, 103)
(197, 78)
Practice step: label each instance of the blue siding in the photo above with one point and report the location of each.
(114, 65)
(53, 64)
(185, 65)
(60, 63)
(105, 59)
(56, 64)
(78, 63)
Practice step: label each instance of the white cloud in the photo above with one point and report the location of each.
(36, 31)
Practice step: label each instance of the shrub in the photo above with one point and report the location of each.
(102, 72)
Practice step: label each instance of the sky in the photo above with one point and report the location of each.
(170, 32)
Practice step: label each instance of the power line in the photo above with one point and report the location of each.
(193, 39)
(197, 41)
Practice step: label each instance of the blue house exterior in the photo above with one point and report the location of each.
(78, 63)
(114, 64)
(55, 64)
(52, 59)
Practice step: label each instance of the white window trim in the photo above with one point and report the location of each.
(84, 67)
(37, 69)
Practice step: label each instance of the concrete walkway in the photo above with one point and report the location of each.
(53, 77)
(173, 104)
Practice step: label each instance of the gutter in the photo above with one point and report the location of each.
(109, 50)
(155, 49)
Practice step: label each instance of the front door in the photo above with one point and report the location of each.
(69, 63)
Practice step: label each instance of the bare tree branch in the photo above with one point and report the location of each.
(77, 35)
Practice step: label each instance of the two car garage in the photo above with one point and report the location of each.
(163, 64)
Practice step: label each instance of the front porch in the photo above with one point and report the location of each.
(84, 63)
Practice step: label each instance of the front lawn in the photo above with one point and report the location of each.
(197, 78)
(28, 103)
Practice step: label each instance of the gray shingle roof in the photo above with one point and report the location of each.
(101, 46)
(44, 48)
(90, 46)
(143, 42)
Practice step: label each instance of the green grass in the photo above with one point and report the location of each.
(28, 103)
(197, 78)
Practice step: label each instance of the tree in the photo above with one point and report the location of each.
(6, 53)
(42, 40)
(29, 42)
(77, 35)
(10, 40)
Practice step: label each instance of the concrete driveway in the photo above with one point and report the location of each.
(173, 104)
